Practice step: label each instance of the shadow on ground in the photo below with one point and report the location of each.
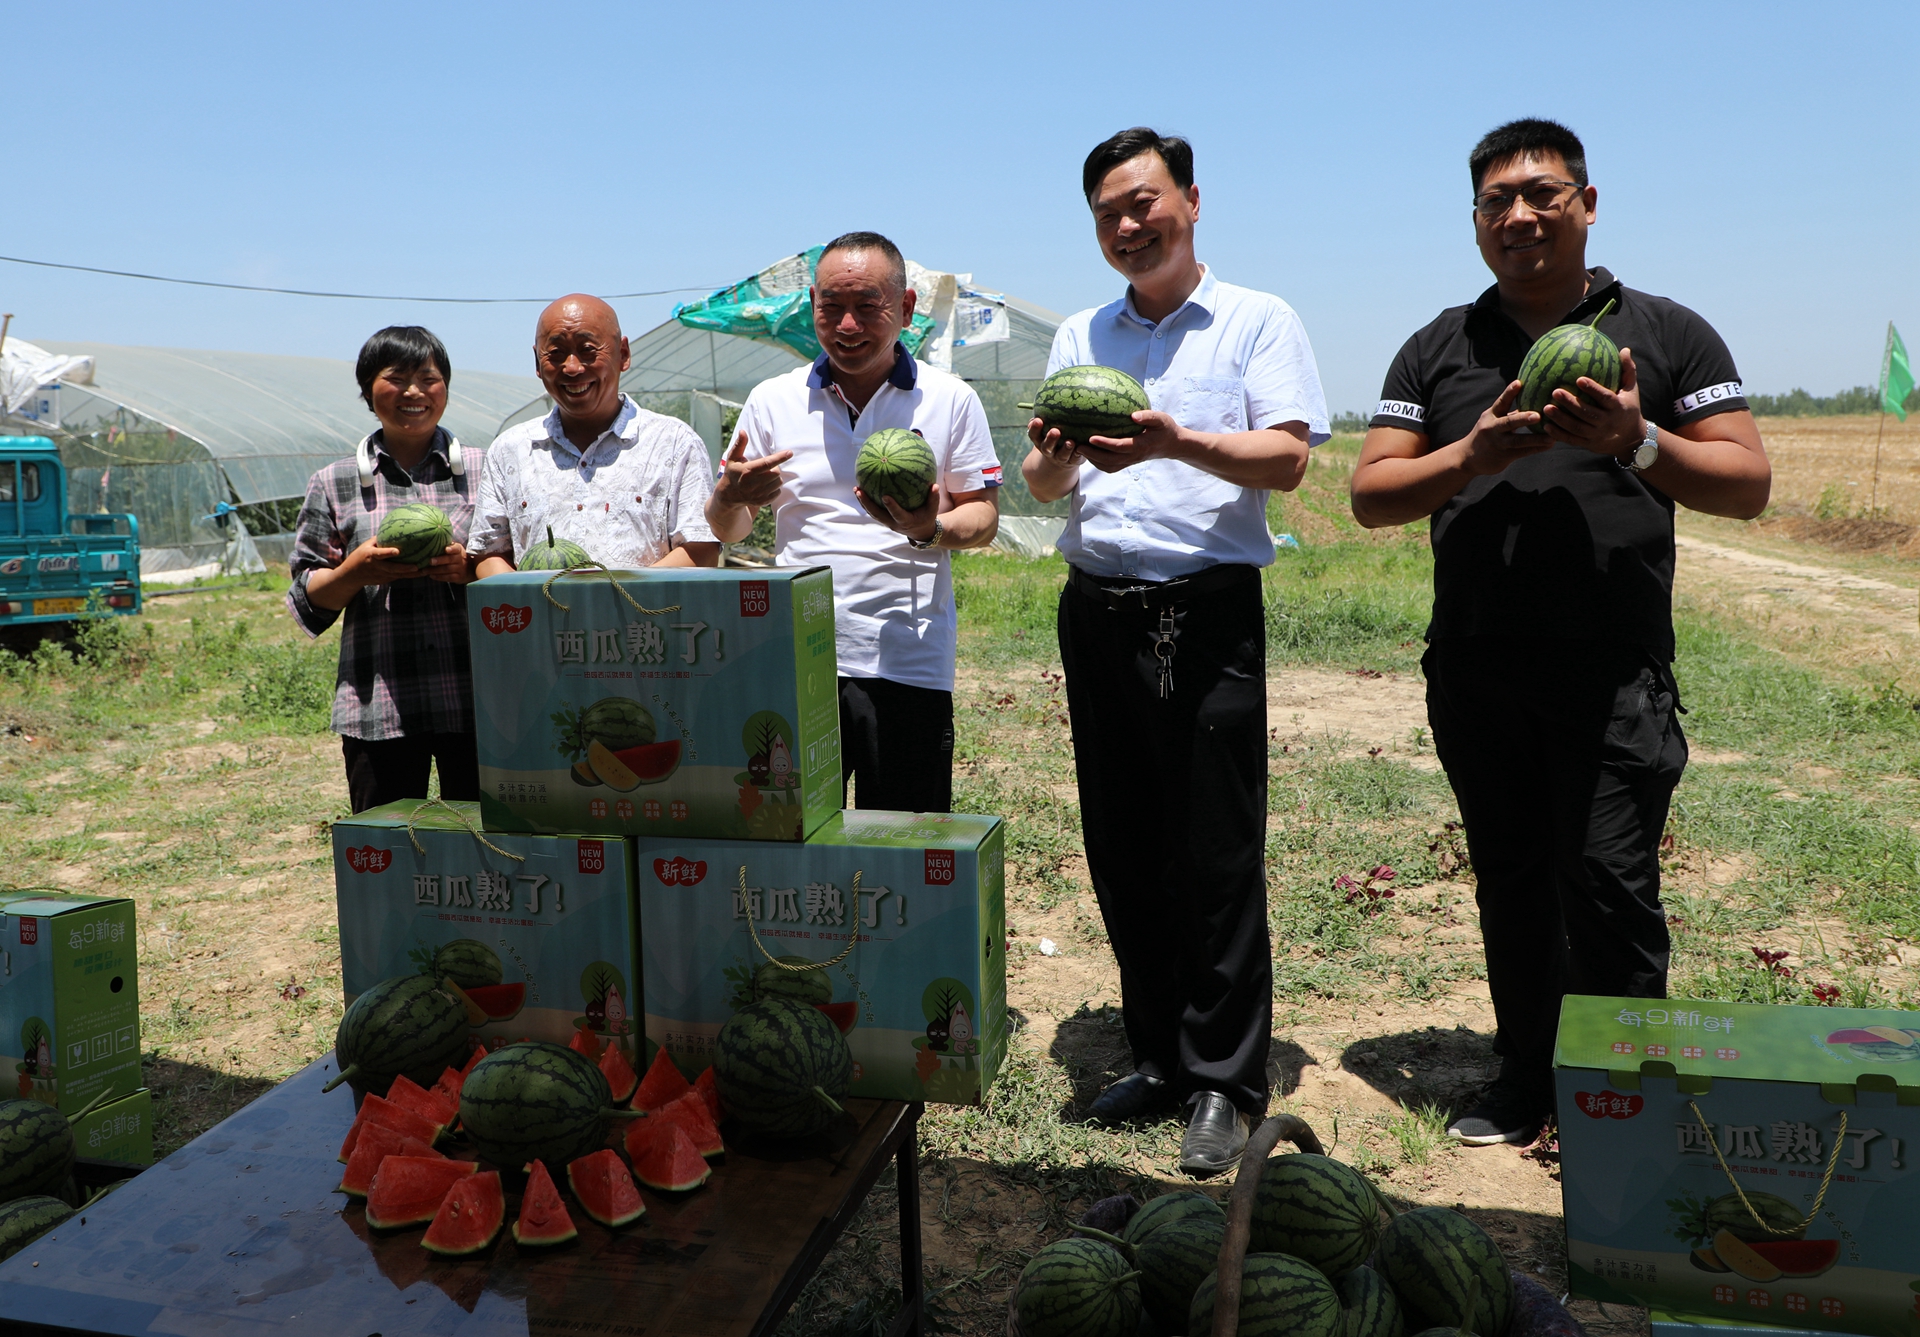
(1091, 1048)
(1442, 1068)
(189, 1098)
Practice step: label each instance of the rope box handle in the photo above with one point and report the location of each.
(588, 568)
(1826, 1180)
(853, 929)
(414, 817)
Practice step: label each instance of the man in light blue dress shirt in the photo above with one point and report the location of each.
(1163, 638)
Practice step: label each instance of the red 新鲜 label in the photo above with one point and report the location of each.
(506, 618)
(678, 872)
(367, 859)
(1608, 1104)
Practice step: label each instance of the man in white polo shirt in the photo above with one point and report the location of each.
(627, 485)
(1163, 638)
(892, 587)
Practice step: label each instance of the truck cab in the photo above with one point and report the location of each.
(56, 567)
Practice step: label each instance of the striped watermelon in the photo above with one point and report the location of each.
(420, 530)
(811, 987)
(1173, 1260)
(1280, 1296)
(25, 1220)
(1315, 1208)
(896, 463)
(1561, 356)
(469, 963)
(404, 1025)
(1090, 401)
(1077, 1288)
(534, 1101)
(779, 1067)
(553, 555)
(1370, 1307)
(1431, 1257)
(1167, 1209)
(36, 1149)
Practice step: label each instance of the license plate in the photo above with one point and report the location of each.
(41, 607)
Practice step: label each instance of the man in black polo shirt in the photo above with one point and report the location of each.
(1549, 686)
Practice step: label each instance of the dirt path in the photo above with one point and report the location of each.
(1878, 616)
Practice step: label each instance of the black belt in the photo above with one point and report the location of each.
(1123, 592)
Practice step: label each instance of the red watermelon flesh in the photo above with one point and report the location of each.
(619, 1073)
(470, 1216)
(662, 1085)
(651, 762)
(384, 1112)
(842, 1015)
(376, 1143)
(585, 1042)
(709, 1093)
(1799, 1258)
(501, 1002)
(690, 1113)
(671, 1163)
(605, 1189)
(408, 1189)
(473, 1059)
(409, 1094)
(449, 1086)
(543, 1214)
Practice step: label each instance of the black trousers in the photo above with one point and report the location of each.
(1173, 807)
(896, 744)
(1564, 759)
(384, 770)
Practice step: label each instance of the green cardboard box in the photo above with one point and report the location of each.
(922, 995)
(549, 919)
(1742, 1165)
(679, 702)
(120, 1131)
(69, 997)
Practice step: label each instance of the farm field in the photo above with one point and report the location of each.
(184, 761)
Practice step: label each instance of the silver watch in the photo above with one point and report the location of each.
(933, 539)
(1647, 451)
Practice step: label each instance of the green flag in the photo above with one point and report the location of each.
(1896, 375)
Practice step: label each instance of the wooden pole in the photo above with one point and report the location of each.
(1873, 505)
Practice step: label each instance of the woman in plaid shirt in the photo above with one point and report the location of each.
(403, 699)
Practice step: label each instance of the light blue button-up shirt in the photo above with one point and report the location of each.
(1229, 360)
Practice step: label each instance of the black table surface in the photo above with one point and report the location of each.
(240, 1232)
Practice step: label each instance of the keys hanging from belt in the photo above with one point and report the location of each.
(1163, 650)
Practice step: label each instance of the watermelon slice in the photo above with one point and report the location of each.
(501, 1002)
(543, 1214)
(375, 1144)
(842, 1015)
(605, 1189)
(709, 1093)
(473, 1060)
(585, 1042)
(690, 1113)
(1799, 1258)
(470, 1216)
(651, 762)
(619, 1073)
(409, 1094)
(671, 1163)
(449, 1086)
(375, 1110)
(662, 1084)
(407, 1189)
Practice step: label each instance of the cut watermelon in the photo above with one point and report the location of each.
(470, 1216)
(690, 1112)
(619, 1073)
(501, 1002)
(480, 1051)
(449, 1086)
(605, 1189)
(407, 1189)
(651, 762)
(1799, 1258)
(662, 1085)
(842, 1015)
(585, 1042)
(709, 1093)
(671, 1163)
(384, 1112)
(409, 1094)
(543, 1215)
(376, 1143)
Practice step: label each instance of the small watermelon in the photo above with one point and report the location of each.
(704, 1084)
(543, 1215)
(585, 1043)
(407, 1190)
(553, 555)
(409, 1024)
(470, 1216)
(780, 1067)
(619, 1073)
(1173, 1260)
(420, 530)
(1280, 1296)
(1561, 356)
(1078, 1288)
(670, 1162)
(662, 1085)
(616, 723)
(605, 1189)
(1431, 1256)
(24, 1220)
(1089, 401)
(376, 1143)
(896, 463)
(428, 1104)
(1316, 1208)
(1167, 1209)
(36, 1149)
(534, 1101)
(468, 962)
(1370, 1307)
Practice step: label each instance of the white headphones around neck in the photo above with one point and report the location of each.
(363, 456)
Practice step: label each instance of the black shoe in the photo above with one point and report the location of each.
(1508, 1113)
(1132, 1097)
(1216, 1135)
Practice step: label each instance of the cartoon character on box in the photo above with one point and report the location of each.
(770, 786)
(945, 1061)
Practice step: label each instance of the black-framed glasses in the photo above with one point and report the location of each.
(1543, 197)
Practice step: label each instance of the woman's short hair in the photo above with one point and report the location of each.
(404, 346)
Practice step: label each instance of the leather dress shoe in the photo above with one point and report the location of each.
(1216, 1135)
(1132, 1097)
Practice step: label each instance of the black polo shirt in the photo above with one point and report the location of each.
(1565, 544)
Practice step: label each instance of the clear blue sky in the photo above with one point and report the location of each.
(1758, 162)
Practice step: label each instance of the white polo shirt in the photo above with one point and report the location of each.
(893, 606)
(1229, 360)
(632, 494)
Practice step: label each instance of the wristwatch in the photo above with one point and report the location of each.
(1646, 452)
(932, 540)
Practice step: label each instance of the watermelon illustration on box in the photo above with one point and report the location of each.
(898, 921)
(686, 702)
(69, 998)
(537, 933)
(1735, 1164)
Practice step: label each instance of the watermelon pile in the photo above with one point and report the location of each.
(1561, 356)
(420, 530)
(1084, 402)
(896, 463)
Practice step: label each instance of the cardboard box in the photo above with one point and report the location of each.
(69, 997)
(922, 997)
(555, 912)
(119, 1132)
(660, 703)
(1671, 1110)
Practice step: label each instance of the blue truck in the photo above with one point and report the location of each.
(56, 567)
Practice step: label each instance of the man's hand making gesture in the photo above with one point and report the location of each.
(744, 486)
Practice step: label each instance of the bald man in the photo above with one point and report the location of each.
(627, 485)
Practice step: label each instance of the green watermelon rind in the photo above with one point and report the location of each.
(552, 554)
(1280, 1296)
(1089, 401)
(468, 962)
(24, 1220)
(1430, 1256)
(534, 1101)
(407, 1026)
(1173, 1260)
(1316, 1208)
(36, 1149)
(811, 987)
(896, 463)
(1559, 358)
(767, 1060)
(1077, 1288)
(419, 529)
(1371, 1308)
(1167, 1209)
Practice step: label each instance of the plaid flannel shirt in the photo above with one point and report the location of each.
(405, 670)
